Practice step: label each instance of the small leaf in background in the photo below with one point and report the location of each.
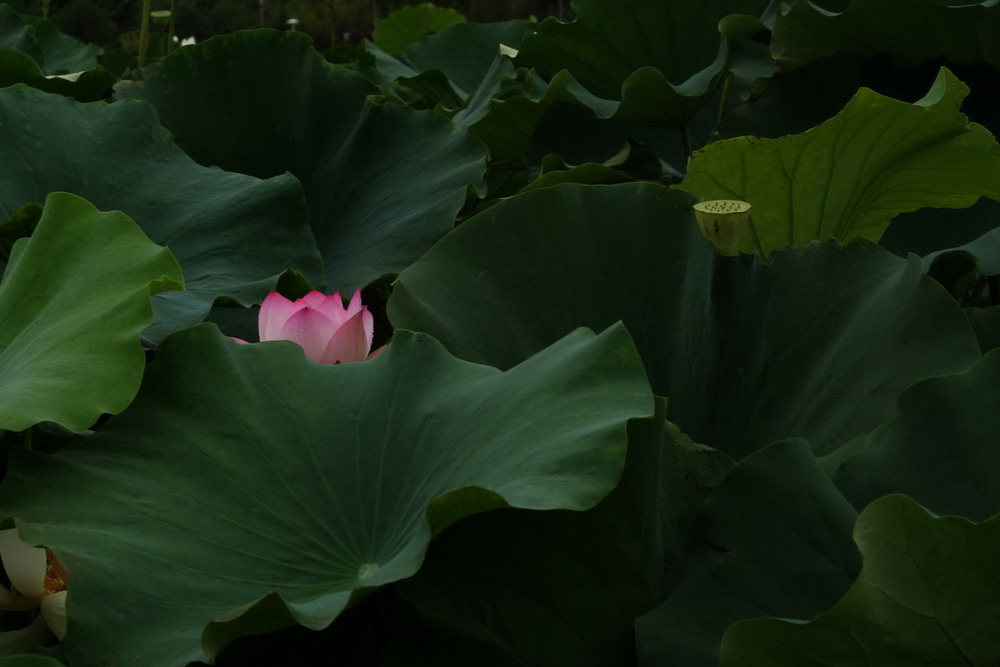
(73, 301)
(851, 175)
(242, 471)
(409, 24)
(928, 594)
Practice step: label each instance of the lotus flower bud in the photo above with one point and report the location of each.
(327, 331)
(721, 222)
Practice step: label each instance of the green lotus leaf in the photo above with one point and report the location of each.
(243, 471)
(850, 176)
(234, 235)
(409, 24)
(62, 53)
(659, 59)
(467, 52)
(16, 35)
(939, 449)
(773, 539)
(383, 183)
(90, 86)
(529, 566)
(928, 594)
(817, 344)
(74, 299)
(911, 30)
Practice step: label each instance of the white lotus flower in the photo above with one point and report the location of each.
(37, 579)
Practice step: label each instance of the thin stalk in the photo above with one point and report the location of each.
(722, 102)
(26, 437)
(171, 26)
(685, 140)
(144, 33)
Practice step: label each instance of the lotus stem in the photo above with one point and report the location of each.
(144, 32)
(171, 27)
(721, 222)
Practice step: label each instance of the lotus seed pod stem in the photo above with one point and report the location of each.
(721, 222)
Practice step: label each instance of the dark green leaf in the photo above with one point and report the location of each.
(383, 183)
(246, 470)
(773, 539)
(940, 448)
(929, 594)
(817, 344)
(233, 234)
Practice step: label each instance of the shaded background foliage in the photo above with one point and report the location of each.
(326, 21)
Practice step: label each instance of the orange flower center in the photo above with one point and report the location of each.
(55, 573)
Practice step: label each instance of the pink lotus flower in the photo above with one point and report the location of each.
(328, 332)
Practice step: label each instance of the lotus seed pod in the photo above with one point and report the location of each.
(721, 222)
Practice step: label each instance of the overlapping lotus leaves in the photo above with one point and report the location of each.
(18, 67)
(659, 59)
(816, 344)
(383, 183)
(73, 300)
(530, 566)
(850, 176)
(233, 234)
(940, 448)
(218, 487)
(34, 52)
(459, 68)
(54, 52)
(929, 593)
(911, 30)
(773, 539)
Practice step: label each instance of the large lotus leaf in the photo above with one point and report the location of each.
(940, 448)
(911, 30)
(773, 539)
(851, 175)
(242, 471)
(73, 300)
(409, 24)
(817, 344)
(383, 182)
(563, 587)
(658, 58)
(233, 234)
(929, 594)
